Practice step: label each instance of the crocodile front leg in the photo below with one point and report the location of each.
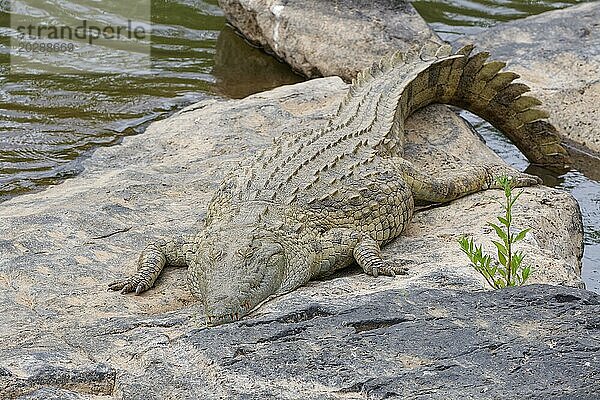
(341, 246)
(460, 183)
(368, 255)
(151, 263)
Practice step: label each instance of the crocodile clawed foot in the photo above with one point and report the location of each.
(388, 269)
(150, 264)
(519, 179)
(134, 283)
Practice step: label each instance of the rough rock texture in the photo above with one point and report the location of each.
(324, 38)
(397, 344)
(63, 336)
(558, 54)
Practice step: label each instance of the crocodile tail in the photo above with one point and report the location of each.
(469, 82)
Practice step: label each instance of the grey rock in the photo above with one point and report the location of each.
(417, 344)
(557, 54)
(48, 393)
(52, 370)
(324, 38)
(64, 335)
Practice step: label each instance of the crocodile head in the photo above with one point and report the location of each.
(235, 271)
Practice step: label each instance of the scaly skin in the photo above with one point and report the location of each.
(318, 201)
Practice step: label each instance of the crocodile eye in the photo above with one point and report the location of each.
(276, 254)
(215, 254)
(246, 252)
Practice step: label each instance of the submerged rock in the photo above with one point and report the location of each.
(242, 70)
(557, 54)
(323, 38)
(421, 336)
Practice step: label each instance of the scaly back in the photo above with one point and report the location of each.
(304, 166)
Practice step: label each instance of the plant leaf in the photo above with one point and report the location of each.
(501, 257)
(500, 247)
(521, 235)
(516, 260)
(503, 220)
(514, 199)
(525, 273)
(503, 181)
(501, 234)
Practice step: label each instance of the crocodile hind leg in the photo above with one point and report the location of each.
(151, 263)
(456, 184)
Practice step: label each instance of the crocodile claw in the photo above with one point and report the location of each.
(139, 289)
(117, 285)
(128, 285)
(519, 179)
(389, 269)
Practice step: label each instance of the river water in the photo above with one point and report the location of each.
(49, 123)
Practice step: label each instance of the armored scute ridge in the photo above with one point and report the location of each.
(315, 202)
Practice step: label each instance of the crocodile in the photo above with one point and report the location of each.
(318, 201)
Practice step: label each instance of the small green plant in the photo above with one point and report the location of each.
(507, 269)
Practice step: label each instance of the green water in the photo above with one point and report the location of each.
(450, 18)
(49, 123)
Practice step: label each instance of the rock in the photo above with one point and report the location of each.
(423, 335)
(533, 342)
(324, 38)
(557, 53)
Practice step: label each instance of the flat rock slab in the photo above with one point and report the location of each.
(557, 54)
(539, 342)
(64, 336)
(324, 38)
(534, 342)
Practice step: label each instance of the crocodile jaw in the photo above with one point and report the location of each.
(241, 301)
(234, 275)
